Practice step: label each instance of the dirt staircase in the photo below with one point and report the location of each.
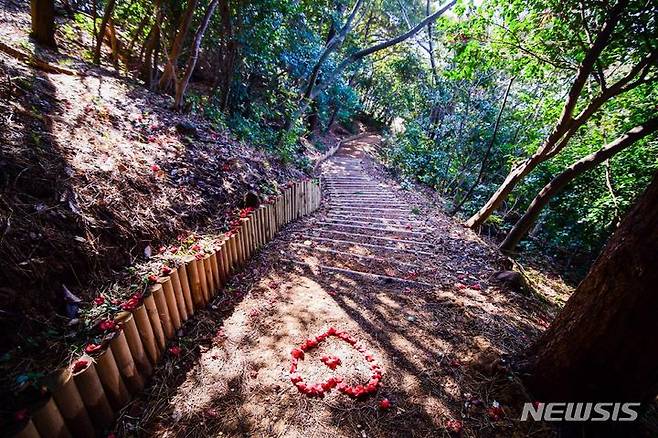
(365, 230)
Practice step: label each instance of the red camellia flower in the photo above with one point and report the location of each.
(175, 350)
(107, 324)
(454, 426)
(99, 300)
(384, 404)
(331, 361)
(131, 304)
(166, 270)
(21, 415)
(297, 353)
(92, 348)
(153, 278)
(495, 412)
(155, 168)
(196, 247)
(80, 365)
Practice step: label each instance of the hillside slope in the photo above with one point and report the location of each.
(95, 172)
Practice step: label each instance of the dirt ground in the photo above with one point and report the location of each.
(444, 349)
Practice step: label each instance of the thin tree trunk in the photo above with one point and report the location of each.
(43, 22)
(169, 73)
(181, 85)
(602, 345)
(558, 183)
(565, 127)
(483, 164)
(228, 59)
(100, 35)
(430, 43)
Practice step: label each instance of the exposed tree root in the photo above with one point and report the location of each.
(34, 61)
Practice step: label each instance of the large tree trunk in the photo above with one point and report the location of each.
(181, 85)
(169, 73)
(100, 36)
(566, 125)
(603, 346)
(558, 183)
(43, 22)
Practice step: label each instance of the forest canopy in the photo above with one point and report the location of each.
(486, 102)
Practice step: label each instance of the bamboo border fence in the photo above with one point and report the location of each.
(85, 399)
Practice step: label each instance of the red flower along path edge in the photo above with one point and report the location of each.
(319, 389)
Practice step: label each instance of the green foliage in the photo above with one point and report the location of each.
(448, 122)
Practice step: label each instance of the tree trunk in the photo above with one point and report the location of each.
(43, 22)
(483, 165)
(602, 345)
(430, 45)
(100, 35)
(169, 73)
(181, 85)
(227, 67)
(558, 183)
(565, 127)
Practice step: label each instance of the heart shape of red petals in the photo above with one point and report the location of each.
(319, 389)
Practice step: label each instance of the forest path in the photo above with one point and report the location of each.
(382, 266)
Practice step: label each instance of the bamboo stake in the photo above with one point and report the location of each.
(201, 270)
(156, 324)
(215, 261)
(222, 261)
(28, 431)
(263, 211)
(108, 373)
(239, 247)
(295, 203)
(261, 225)
(49, 421)
(178, 292)
(146, 333)
(210, 280)
(70, 404)
(187, 294)
(253, 230)
(195, 281)
(126, 363)
(307, 193)
(286, 218)
(279, 214)
(163, 312)
(234, 252)
(268, 222)
(131, 332)
(300, 198)
(244, 236)
(170, 299)
(230, 252)
(93, 395)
